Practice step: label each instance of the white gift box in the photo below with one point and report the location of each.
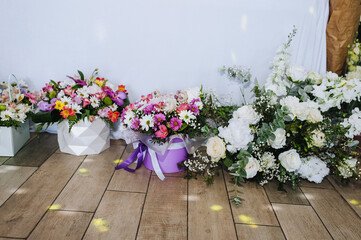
(13, 138)
(84, 138)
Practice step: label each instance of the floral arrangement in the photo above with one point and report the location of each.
(78, 98)
(162, 115)
(291, 130)
(16, 104)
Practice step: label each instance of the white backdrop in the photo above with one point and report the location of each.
(157, 44)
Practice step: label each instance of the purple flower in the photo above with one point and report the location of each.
(194, 109)
(78, 81)
(148, 109)
(118, 101)
(175, 123)
(44, 106)
(135, 123)
(159, 118)
(195, 100)
(53, 101)
(122, 95)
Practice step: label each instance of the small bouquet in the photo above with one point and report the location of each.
(78, 98)
(163, 115)
(16, 103)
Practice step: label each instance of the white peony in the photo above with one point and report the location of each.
(193, 93)
(314, 115)
(236, 135)
(252, 167)
(280, 139)
(170, 104)
(313, 169)
(216, 148)
(297, 73)
(318, 138)
(315, 76)
(290, 160)
(247, 114)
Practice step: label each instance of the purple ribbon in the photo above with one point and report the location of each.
(139, 154)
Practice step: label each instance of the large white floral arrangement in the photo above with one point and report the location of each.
(291, 130)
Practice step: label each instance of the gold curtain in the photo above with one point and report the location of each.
(343, 22)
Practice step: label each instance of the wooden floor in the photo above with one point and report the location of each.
(46, 194)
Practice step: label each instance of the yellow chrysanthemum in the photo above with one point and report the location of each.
(59, 105)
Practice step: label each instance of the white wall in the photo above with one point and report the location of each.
(157, 44)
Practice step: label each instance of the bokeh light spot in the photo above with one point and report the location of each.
(83, 170)
(216, 207)
(118, 161)
(100, 224)
(354, 202)
(55, 207)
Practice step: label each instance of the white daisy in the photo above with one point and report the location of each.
(6, 115)
(94, 102)
(146, 122)
(187, 116)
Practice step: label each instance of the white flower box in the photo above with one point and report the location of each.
(12, 139)
(85, 137)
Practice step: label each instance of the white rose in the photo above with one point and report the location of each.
(314, 115)
(297, 73)
(216, 148)
(315, 76)
(280, 139)
(247, 114)
(290, 160)
(252, 167)
(318, 138)
(170, 105)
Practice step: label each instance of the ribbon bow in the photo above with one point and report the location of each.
(139, 153)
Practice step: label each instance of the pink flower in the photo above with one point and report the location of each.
(175, 123)
(148, 109)
(159, 118)
(182, 107)
(77, 99)
(103, 112)
(48, 88)
(68, 90)
(162, 133)
(86, 102)
(194, 109)
(135, 123)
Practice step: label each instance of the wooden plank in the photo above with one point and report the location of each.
(3, 159)
(10, 238)
(117, 216)
(350, 191)
(300, 222)
(339, 218)
(181, 174)
(130, 181)
(23, 210)
(59, 225)
(209, 211)
(118, 142)
(324, 184)
(290, 196)
(165, 210)
(36, 151)
(256, 208)
(86, 187)
(246, 232)
(11, 178)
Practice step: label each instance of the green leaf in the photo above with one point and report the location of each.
(87, 111)
(81, 75)
(287, 118)
(228, 162)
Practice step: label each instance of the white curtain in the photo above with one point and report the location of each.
(158, 44)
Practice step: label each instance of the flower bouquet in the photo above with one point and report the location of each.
(82, 108)
(16, 105)
(167, 126)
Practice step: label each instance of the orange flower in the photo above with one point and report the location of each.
(67, 112)
(121, 88)
(113, 116)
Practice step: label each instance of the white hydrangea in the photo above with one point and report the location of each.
(353, 123)
(348, 167)
(313, 169)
